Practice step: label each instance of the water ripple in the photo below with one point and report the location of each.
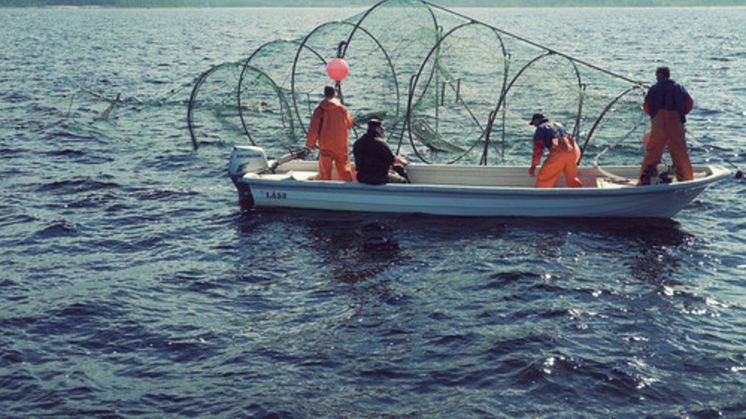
(133, 285)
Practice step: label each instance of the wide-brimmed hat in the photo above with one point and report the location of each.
(541, 119)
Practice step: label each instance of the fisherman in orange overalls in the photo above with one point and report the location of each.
(329, 125)
(667, 103)
(563, 154)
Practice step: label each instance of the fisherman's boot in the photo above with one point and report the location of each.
(647, 175)
(668, 175)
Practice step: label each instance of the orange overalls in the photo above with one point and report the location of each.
(329, 125)
(563, 158)
(668, 103)
(666, 129)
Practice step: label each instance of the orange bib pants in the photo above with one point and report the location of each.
(562, 158)
(340, 160)
(666, 130)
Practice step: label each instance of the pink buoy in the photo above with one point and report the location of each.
(337, 69)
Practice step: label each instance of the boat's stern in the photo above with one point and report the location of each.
(245, 159)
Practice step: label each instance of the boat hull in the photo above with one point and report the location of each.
(655, 201)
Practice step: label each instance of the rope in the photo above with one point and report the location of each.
(614, 177)
(696, 138)
(520, 38)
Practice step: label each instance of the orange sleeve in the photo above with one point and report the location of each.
(538, 152)
(313, 129)
(646, 107)
(688, 105)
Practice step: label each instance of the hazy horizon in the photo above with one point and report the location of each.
(339, 3)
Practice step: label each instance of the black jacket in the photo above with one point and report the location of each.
(373, 158)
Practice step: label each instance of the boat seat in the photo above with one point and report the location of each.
(276, 176)
(609, 183)
(302, 175)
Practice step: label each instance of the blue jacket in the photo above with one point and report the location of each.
(548, 131)
(668, 95)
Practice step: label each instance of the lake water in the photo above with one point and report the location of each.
(132, 284)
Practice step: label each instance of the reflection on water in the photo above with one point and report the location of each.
(385, 285)
(355, 252)
(656, 248)
(355, 247)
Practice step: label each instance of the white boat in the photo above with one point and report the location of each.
(459, 190)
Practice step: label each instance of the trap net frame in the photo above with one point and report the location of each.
(449, 88)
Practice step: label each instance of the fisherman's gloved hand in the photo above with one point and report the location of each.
(532, 171)
(305, 152)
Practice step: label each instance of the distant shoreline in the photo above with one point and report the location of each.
(153, 4)
(359, 6)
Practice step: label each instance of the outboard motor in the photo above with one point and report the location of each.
(246, 159)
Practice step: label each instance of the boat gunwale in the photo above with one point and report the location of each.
(716, 173)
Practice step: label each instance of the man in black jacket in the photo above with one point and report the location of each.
(374, 159)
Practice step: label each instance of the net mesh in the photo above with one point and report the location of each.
(213, 111)
(265, 93)
(448, 88)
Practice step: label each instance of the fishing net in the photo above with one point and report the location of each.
(373, 89)
(456, 91)
(265, 96)
(213, 111)
(406, 31)
(448, 88)
(613, 120)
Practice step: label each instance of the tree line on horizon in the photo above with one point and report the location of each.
(337, 3)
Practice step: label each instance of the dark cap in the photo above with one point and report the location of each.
(537, 116)
(663, 72)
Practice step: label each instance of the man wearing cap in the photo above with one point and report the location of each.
(563, 154)
(667, 103)
(373, 157)
(329, 126)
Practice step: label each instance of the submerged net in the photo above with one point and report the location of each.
(448, 88)
(213, 111)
